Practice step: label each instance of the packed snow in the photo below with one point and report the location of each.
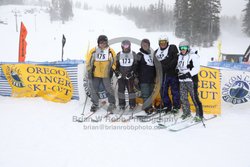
(39, 133)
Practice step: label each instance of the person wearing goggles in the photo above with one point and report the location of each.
(167, 55)
(125, 72)
(188, 67)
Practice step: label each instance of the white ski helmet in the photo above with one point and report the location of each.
(184, 43)
(163, 38)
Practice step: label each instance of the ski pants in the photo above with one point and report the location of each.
(185, 88)
(196, 94)
(146, 92)
(95, 84)
(171, 82)
(122, 85)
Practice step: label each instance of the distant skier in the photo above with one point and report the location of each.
(100, 63)
(168, 55)
(146, 74)
(125, 71)
(188, 67)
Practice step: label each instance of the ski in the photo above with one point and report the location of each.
(100, 118)
(115, 119)
(141, 117)
(130, 117)
(188, 124)
(164, 126)
(107, 115)
(92, 113)
(158, 117)
(87, 117)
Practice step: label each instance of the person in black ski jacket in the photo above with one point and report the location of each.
(167, 55)
(125, 71)
(146, 74)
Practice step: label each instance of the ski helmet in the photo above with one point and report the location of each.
(102, 38)
(184, 45)
(163, 38)
(126, 44)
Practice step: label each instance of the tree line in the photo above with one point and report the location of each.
(61, 10)
(155, 17)
(197, 21)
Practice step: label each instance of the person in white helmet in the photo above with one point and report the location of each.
(167, 55)
(188, 68)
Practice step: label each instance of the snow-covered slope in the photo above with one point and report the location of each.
(38, 133)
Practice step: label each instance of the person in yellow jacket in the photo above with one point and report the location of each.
(101, 63)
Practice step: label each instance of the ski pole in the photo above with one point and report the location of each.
(204, 125)
(84, 106)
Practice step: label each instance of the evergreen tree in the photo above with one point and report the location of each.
(155, 17)
(54, 10)
(197, 21)
(246, 19)
(61, 10)
(7, 2)
(182, 19)
(66, 11)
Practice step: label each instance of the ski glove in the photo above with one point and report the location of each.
(190, 66)
(90, 74)
(185, 76)
(118, 74)
(130, 75)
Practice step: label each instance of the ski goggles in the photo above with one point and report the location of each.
(183, 47)
(126, 46)
(163, 42)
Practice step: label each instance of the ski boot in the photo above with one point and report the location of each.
(94, 108)
(111, 108)
(174, 110)
(122, 108)
(185, 116)
(197, 119)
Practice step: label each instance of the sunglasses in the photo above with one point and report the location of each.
(183, 48)
(162, 42)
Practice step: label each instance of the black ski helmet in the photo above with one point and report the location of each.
(102, 38)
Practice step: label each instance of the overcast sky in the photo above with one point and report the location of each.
(229, 7)
(233, 7)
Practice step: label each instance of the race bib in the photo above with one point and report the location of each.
(126, 59)
(102, 55)
(162, 54)
(148, 59)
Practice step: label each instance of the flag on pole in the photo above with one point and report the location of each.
(246, 55)
(219, 50)
(22, 43)
(63, 43)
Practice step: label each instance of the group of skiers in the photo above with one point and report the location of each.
(179, 75)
